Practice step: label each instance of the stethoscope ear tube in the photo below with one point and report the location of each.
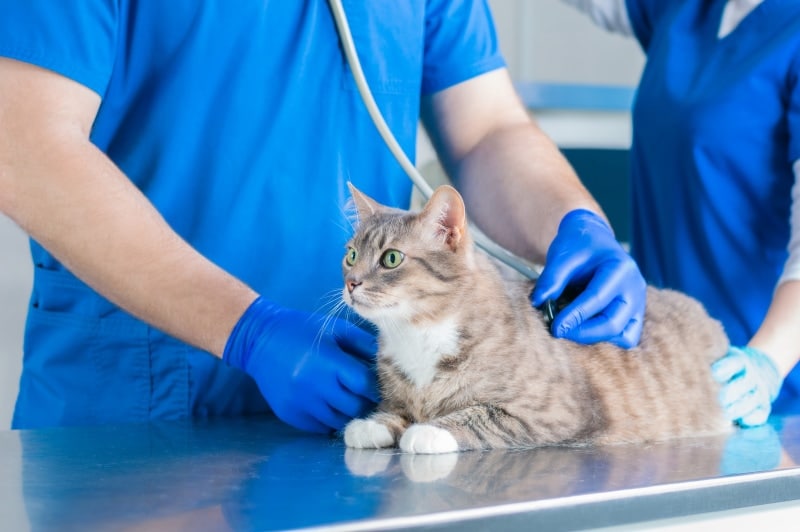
(348, 46)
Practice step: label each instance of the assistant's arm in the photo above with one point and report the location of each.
(779, 333)
(752, 375)
(66, 194)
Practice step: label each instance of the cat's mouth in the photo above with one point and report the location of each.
(354, 301)
(361, 304)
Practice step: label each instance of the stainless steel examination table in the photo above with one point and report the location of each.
(258, 474)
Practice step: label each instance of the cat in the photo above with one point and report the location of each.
(465, 363)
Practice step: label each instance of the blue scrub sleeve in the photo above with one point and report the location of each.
(74, 39)
(460, 43)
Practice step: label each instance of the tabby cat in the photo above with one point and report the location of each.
(464, 362)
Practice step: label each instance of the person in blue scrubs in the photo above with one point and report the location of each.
(715, 161)
(182, 169)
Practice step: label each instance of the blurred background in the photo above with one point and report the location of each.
(577, 80)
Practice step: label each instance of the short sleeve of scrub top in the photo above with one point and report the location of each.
(85, 33)
(443, 66)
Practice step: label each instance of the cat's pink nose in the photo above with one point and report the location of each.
(351, 285)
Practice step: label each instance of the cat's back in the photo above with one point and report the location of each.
(672, 317)
(663, 387)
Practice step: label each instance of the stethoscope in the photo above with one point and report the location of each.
(492, 248)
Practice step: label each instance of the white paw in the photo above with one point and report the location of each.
(427, 439)
(367, 434)
(428, 467)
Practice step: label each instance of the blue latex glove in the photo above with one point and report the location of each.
(611, 305)
(316, 373)
(750, 383)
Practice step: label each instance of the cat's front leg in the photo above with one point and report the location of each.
(480, 426)
(381, 429)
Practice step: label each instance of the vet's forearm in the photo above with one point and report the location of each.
(516, 183)
(518, 186)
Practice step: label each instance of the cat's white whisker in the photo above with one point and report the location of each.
(331, 306)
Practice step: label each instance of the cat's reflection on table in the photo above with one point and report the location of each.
(563, 471)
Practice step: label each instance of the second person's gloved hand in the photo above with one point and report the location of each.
(611, 305)
(316, 374)
(750, 383)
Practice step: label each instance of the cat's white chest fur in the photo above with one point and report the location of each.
(417, 350)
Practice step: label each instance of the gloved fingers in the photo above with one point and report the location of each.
(305, 422)
(736, 390)
(582, 241)
(755, 418)
(607, 324)
(574, 315)
(359, 379)
(727, 367)
(328, 416)
(594, 329)
(605, 300)
(560, 270)
(628, 339)
(355, 340)
(350, 404)
(744, 406)
(631, 334)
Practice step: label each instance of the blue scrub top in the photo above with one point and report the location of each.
(716, 128)
(241, 123)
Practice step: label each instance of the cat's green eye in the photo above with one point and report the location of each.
(351, 256)
(392, 258)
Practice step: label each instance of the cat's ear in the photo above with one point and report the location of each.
(446, 216)
(365, 206)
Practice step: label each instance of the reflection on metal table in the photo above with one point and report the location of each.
(258, 474)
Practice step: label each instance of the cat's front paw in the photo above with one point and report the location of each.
(427, 439)
(367, 434)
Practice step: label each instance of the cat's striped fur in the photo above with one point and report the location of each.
(465, 362)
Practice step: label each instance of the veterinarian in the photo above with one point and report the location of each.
(181, 168)
(715, 159)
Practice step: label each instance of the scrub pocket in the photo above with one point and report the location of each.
(85, 361)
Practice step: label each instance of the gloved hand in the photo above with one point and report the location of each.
(750, 383)
(611, 305)
(315, 373)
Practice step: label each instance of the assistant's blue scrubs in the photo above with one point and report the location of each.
(241, 123)
(716, 130)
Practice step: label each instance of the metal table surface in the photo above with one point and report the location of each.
(258, 474)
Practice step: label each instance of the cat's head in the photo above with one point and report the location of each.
(407, 266)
